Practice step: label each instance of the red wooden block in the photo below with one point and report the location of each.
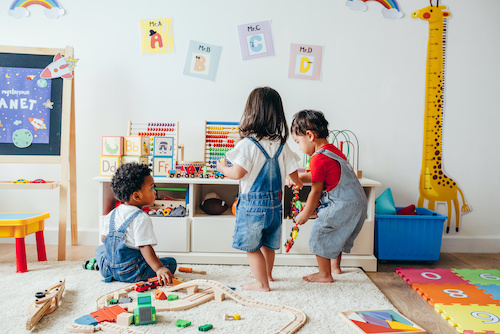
(369, 328)
(108, 313)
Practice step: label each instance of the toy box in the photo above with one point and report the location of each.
(413, 238)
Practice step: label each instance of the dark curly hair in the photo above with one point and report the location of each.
(264, 116)
(128, 179)
(311, 120)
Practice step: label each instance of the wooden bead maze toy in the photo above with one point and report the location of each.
(349, 147)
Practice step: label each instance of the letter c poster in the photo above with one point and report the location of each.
(305, 61)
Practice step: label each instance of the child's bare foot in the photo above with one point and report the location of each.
(255, 286)
(336, 271)
(319, 278)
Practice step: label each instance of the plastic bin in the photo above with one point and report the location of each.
(411, 238)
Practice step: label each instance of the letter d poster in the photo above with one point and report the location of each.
(305, 61)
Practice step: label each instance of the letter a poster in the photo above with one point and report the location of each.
(24, 105)
(157, 36)
(305, 61)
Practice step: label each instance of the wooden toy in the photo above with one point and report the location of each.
(124, 319)
(205, 328)
(126, 159)
(144, 314)
(347, 142)
(18, 225)
(105, 327)
(136, 145)
(220, 137)
(112, 145)
(108, 165)
(214, 291)
(108, 313)
(380, 321)
(47, 303)
(191, 270)
(231, 317)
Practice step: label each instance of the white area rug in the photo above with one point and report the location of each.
(352, 290)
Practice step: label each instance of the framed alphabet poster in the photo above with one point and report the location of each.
(157, 36)
(256, 40)
(305, 61)
(202, 60)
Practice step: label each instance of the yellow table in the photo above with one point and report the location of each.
(20, 224)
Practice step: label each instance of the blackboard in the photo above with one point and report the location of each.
(38, 61)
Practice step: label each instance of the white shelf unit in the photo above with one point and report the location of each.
(200, 238)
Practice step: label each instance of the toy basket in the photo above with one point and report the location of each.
(411, 238)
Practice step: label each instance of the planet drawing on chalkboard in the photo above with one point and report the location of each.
(22, 138)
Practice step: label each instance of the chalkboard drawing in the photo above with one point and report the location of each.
(19, 8)
(58, 68)
(390, 8)
(435, 185)
(22, 138)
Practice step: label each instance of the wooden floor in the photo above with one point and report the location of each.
(401, 295)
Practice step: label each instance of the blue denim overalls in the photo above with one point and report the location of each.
(341, 213)
(259, 213)
(121, 262)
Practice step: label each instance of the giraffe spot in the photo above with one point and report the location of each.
(434, 177)
(454, 184)
(447, 182)
(439, 182)
(436, 153)
(440, 172)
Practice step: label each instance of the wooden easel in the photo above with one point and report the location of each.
(67, 157)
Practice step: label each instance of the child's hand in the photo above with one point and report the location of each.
(221, 164)
(164, 276)
(301, 218)
(298, 185)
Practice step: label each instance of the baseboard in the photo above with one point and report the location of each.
(464, 244)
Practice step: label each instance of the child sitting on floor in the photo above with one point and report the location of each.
(127, 254)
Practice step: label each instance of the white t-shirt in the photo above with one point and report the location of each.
(140, 230)
(247, 155)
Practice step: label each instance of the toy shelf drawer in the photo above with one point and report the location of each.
(412, 238)
(172, 234)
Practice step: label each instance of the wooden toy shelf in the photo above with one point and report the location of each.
(200, 238)
(46, 185)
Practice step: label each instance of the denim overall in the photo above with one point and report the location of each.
(122, 263)
(341, 213)
(259, 213)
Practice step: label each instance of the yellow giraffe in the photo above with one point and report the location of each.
(434, 185)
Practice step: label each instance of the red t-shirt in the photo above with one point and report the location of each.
(325, 169)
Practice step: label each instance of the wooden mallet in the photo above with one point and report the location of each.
(191, 270)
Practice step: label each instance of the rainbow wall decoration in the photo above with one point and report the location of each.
(390, 8)
(19, 8)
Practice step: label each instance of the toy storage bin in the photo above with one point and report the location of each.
(413, 238)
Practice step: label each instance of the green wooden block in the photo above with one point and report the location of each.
(172, 297)
(182, 323)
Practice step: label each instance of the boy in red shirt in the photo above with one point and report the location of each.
(334, 185)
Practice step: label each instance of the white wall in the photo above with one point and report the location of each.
(372, 83)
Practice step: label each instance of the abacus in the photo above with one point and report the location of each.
(157, 129)
(220, 137)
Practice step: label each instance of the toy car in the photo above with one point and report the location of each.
(38, 181)
(20, 181)
(140, 287)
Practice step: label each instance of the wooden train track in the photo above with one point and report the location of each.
(215, 290)
(45, 305)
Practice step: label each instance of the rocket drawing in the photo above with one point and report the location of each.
(58, 68)
(37, 123)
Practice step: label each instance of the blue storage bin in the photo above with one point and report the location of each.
(411, 238)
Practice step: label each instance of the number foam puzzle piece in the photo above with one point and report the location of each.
(463, 294)
(429, 275)
(479, 276)
(471, 317)
(492, 290)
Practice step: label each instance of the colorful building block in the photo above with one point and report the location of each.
(172, 297)
(479, 276)
(126, 159)
(205, 328)
(162, 166)
(478, 318)
(463, 294)
(109, 165)
(163, 146)
(429, 275)
(370, 328)
(86, 320)
(182, 323)
(136, 145)
(108, 314)
(112, 145)
(124, 319)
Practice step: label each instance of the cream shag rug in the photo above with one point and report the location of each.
(321, 302)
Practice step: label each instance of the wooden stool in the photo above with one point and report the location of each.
(20, 224)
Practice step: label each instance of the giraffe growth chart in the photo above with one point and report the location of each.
(435, 185)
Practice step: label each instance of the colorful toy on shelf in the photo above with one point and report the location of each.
(220, 137)
(296, 207)
(20, 181)
(38, 181)
(350, 148)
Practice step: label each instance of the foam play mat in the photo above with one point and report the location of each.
(468, 298)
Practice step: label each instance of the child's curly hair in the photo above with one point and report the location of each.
(311, 120)
(128, 179)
